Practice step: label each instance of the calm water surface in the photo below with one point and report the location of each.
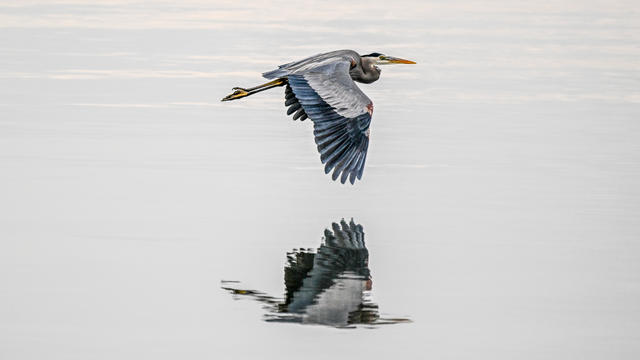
(500, 199)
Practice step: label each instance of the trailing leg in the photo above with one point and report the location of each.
(241, 92)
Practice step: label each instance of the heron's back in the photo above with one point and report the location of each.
(310, 63)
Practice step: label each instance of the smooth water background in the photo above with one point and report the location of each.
(500, 198)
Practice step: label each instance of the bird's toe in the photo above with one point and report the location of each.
(236, 94)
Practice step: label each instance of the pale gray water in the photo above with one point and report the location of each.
(500, 199)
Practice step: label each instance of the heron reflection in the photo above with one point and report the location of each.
(328, 287)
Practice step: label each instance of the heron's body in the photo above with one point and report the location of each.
(322, 88)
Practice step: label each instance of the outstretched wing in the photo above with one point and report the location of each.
(340, 111)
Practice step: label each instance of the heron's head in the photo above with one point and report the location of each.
(381, 59)
(369, 72)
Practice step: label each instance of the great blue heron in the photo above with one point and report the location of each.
(322, 88)
(328, 287)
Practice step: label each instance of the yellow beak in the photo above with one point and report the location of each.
(394, 60)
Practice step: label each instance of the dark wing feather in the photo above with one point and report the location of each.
(292, 102)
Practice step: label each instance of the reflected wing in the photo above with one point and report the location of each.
(343, 250)
(349, 236)
(343, 253)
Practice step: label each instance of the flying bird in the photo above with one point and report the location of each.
(323, 89)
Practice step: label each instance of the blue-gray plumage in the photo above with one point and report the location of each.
(322, 88)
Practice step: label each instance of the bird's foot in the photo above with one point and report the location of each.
(237, 94)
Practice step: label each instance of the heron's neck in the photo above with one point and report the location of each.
(365, 72)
